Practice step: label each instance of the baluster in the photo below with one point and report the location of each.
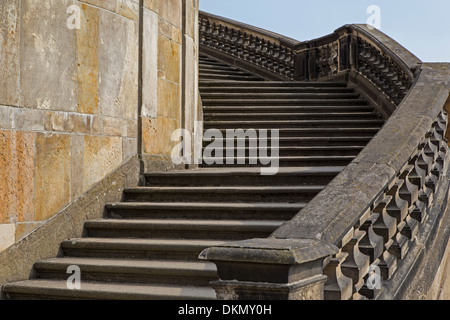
(270, 53)
(252, 49)
(398, 209)
(411, 225)
(245, 46)
(264, 53)
(227, 44)
(371, 244)
(215, 36)
(386, 227)
(408, 191)
(240, 45)
(338, 286)
(276, 55)
(258, 50)
(372, 282)
(356, 265)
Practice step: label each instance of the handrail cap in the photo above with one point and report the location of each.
(271, 251)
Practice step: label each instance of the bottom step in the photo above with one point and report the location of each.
(47, 290)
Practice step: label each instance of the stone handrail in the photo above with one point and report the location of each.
(359, 238)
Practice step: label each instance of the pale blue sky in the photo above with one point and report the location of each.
(422, 26)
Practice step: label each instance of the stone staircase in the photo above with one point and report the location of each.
(148, 246)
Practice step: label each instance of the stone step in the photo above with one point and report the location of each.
(279, 124)
(136, 249)
(210, 76)
(182, 229)
(311, 132)
(317, 109)
(57, 289)
(270, 116)
(319, 161)
(289, 194)
(210, 62)
(243, 177)
(307, 141)
(274, 90)
(223, 72)
(271, 84)
(224, 96)
(208, 66)
(250, 149)
(143, 272)
(202, 210)
(283, 102)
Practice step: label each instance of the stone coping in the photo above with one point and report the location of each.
(334, 212)
(278, 38)
(270, 251)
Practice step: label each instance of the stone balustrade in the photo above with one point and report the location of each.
(352, 47)
(364, 235)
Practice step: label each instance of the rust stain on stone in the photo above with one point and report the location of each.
(16, 176)
(53, 168)
(157, 135)
(87, 45)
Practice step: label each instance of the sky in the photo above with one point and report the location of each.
(421, 26)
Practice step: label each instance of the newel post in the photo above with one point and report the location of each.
(270, 269)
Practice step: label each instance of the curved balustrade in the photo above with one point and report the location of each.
(364, 233)
(254, 46)
(382, 61)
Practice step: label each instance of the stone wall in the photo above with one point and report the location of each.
(70, 111)
(169, 78)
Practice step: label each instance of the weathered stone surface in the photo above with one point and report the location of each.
(25, 150)
(9, 52)
(128, 9)
(97, 125)
(270, 268)
(53, 170)
(190, 20)
(169, 98)
(7, 235)
(6, 117)
(169, 30)
(28, 119)
(157, 135)
(102, 155)
(171, 10)
(47, 56)
(110, 5)
(77, 169)
(190, 84)
(68, 122)
(132, 129)
(129, 147)
(87, 45)
(58, 121)
(149, 65)
(115, 127)
(23, 229)
(17, 176)
(276, 251)
(169, 59)
(118, 66)
(152, 5)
